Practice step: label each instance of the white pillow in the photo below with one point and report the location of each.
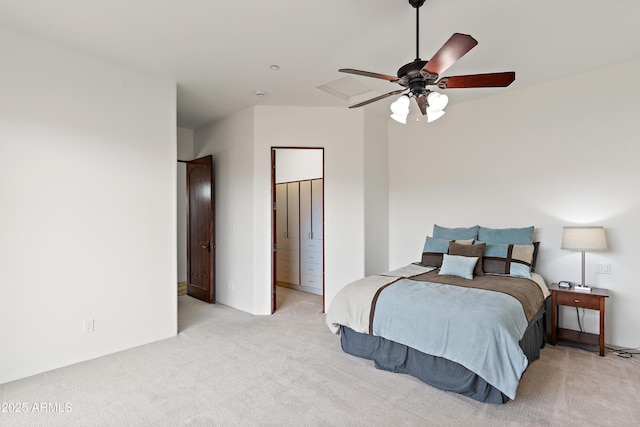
(456, 265)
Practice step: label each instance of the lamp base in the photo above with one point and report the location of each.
(580, 288)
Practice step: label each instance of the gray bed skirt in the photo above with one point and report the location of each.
(437, 371)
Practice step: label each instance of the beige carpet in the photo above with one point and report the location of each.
(228, 368)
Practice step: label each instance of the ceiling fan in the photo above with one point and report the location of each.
(416, 76)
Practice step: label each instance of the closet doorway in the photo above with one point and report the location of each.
(297, 193)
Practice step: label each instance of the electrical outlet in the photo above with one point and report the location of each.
(87, 326)
(603, 269)
(230, 285)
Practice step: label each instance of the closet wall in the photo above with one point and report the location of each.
(311, 235)
(299, 219)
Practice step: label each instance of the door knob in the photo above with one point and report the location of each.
(207, 246)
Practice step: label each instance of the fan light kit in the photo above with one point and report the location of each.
(415, 76)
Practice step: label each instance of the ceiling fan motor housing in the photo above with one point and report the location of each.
(410, 76)
(412, 69)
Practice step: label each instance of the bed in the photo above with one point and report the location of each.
(468, 318)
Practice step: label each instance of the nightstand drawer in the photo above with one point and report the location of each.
(579, 300)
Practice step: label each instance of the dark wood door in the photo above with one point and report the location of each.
(200, 236)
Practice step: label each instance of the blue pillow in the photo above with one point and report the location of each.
(432, 244)
(513, 236)
(455, 233)
(460, 266)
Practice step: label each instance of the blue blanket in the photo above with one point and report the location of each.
(476, 328)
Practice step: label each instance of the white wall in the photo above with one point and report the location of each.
(230, 142)
(558, 154)
(242, 163)
(376, 194)
(298, 165)
(185, 152)
(185, 144)
(88, 223)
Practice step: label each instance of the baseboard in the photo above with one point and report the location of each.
(182, 288)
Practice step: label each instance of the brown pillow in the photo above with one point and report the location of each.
(434, 248)
(476, 250)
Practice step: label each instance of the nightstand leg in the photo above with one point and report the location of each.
(602, 327)
(554, 317)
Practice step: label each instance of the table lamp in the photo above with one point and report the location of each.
(583, 239)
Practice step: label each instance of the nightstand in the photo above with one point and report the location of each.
(593, 300)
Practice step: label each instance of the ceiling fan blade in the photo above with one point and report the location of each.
(422, 103)
(478, 80)
(369, 74)
(378, 98)
(455, 48)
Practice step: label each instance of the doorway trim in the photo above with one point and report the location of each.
(273, 222)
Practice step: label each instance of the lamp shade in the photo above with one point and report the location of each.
(400, 118)
(583, 239)
(400, 109)
(401, 105)
(434, 115)
(437, 101)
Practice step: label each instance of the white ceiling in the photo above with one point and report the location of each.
(220, 52)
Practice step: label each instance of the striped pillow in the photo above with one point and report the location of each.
(512, 260)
